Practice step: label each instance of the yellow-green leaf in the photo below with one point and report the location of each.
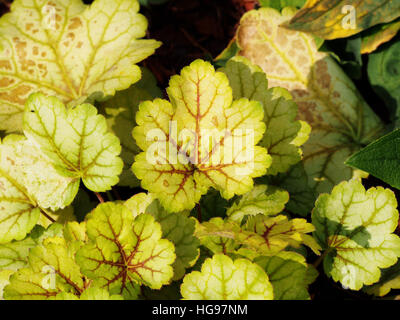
(125, 252)
(70, 50)
(75, 140)
(223, 279)
(120, 112)
(331, 19)
(200, 139)
(379, 35)
(284, 134)
(261, 199)
(355, 228)
(341, 120)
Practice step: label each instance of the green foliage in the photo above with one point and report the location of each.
(223, 279)
(327, 99)
(66, 49)
(325, 18)
(179, 163)
(233, 159)
(383, 70)
(355, 228)
(380, 158)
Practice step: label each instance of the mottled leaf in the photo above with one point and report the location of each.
(341, 120)
(331, 19)
(66, 49)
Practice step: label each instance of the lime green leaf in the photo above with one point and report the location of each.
(212, 142)
(383, 70)
(18, 211)
(261, 235)
(26, 284)
(4, 280)
(355, 227)
(74, 231)
(176, 227)
(381, 159)
(341, 18)
(14, 255)
(379, 35)
(124, 251)
(218, 235)
(76, 140)
(223, 279)
(262, 199)
(282, 129)
(179, 229)
(67, 49)
(390, 279)
(120, 112)
(52, 269)
(341, 120)
(25, 163)
(92, 293)
(55, 253)
(273, 234)
(289, 275)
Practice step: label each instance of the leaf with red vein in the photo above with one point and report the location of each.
(124, 252)
(200, 139)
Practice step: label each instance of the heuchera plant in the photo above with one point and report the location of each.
(227, 206)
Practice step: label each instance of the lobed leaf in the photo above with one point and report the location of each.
(281, 137)
(223, 279)
(120, 113)
(69, 50)
(75, 140)
(125, 252)
(341, 120)
(355, 228)
(200, 139)
(261, 199)
(289, 275)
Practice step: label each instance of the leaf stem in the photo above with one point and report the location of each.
(99, 197)
(47, 215)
